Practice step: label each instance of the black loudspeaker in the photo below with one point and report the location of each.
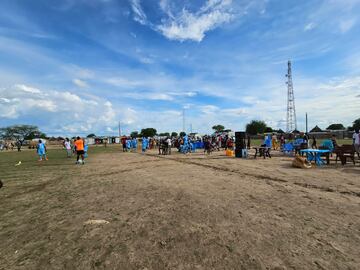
(240, 143)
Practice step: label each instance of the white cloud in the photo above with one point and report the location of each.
(122, 82)
(139, 14)
(309, 26)
(149, 96)
(80, 83)
(28, 89)
(193, 26)
(63, 111)
(187, 25)
(346, 25)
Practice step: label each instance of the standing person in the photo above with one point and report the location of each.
(333, 140)
(86, 148)
(18, 145)
(229, 144)
(356, 142)
(67, 146)
(134, 144)
(248, 141)
(41, 150)
(207, 146)
(282, 141)
(306, 139)
(274, 141)
(313, 145)
(123, 142)
(128, 144)
(144, 144)
(168, 145)
(79, 146)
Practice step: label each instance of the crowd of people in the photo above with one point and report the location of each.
(77, 147)
(187, 144)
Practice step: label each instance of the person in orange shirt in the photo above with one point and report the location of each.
(79, 147)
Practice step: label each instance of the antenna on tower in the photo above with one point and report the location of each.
(291, 113)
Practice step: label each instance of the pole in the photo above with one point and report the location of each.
(306, 123)
(119, 130)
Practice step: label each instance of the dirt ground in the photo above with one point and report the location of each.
(178, 212)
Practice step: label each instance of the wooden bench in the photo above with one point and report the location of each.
(343, 152)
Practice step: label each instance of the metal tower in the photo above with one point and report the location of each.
(291, 113)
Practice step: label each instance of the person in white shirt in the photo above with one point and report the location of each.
(168, 141)
(356, 141)
(67, 146)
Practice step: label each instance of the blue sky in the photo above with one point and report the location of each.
(81, 66)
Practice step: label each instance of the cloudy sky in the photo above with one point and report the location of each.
(81, 66)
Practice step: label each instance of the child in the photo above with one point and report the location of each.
(41, 150)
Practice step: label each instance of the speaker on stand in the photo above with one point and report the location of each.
(240, 144)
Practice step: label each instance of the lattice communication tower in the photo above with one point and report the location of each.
(291, 113)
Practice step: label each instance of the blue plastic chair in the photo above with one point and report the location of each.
(288, 148)
(299, 141)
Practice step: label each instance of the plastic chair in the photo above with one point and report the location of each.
(288, 148)
(299, 141)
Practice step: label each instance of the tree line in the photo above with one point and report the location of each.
(260, 127)
(29, 132)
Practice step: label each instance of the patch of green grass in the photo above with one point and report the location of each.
(30, 163)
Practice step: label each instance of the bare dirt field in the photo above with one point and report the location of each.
(177, 212)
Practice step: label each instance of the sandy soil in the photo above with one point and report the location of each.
(181, 212)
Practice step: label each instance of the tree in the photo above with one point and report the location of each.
(164, 134)
(356, 124)
(91, 135)
(256, 127)
(21, 133)
(134, 134)
(218, 128)
(148, 132)
(36, 134)
(174, 134)
(336, 127)
(268, 129)
(182, 134)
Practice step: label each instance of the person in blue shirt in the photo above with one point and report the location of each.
(128, 144)
(41, 150)
(267, 141)
(144, 145)
(134, 144)
(86, 148)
